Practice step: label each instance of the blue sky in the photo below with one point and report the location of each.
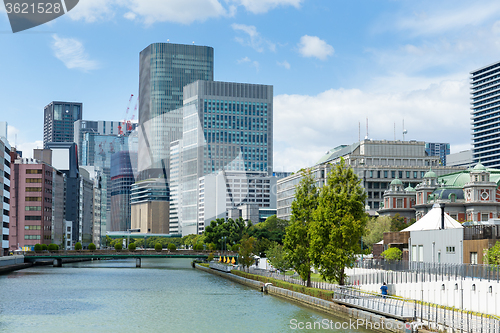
(333, 64)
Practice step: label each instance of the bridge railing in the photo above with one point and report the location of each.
(122, 252)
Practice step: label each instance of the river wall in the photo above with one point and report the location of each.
(363, 319)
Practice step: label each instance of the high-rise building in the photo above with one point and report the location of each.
(226, 127)
(64, 158)
(164, 70)
(122, 178)
(99, 127)
(58, 121)
(85, 209)
(485, 115)
(5, 187)
(438, 149)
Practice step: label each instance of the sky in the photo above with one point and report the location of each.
(336, 66)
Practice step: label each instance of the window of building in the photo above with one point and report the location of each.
(33, 171)
(407, 174)
(386, 174)
(393, 174)
(415, 174)
(450, 249)
(32, 227)
(34, 180)
(422, 173)
(399, 203)
(400, 174)
(484, 217)
(473, 258)
(33, 208)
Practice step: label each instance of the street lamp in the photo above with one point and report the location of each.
(224, 244)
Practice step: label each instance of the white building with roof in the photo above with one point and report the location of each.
(436, 237)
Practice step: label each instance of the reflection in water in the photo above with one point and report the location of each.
(163, 295)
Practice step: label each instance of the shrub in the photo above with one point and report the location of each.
(53, 247)
(235, 247)
(92, 247)
(38, 247)
(44, 247)
(158, 247)
(171, 247)
(131, 247)
(392, 253)
(118, 246)
(198, 247)
(210, 257)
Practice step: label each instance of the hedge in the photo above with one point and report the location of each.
(319, 293)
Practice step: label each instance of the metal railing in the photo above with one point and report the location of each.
(433, 271)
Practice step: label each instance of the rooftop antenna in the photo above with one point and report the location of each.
(404, 131)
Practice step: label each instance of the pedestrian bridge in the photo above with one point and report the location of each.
(58, 256)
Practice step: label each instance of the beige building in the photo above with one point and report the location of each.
(150, 206)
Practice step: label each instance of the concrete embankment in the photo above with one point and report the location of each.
(14, 263)
(352, 315)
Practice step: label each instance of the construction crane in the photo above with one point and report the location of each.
(129, 122)
(120, 130)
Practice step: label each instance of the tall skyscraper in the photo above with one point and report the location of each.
(485, 115)
(438, 149)
(164, 70)
(226, 127)
(58, 121)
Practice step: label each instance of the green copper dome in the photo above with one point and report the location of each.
(409, 189)
(430, 174)
(396, 182)
(479, 167)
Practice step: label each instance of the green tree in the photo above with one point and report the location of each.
(171, 247)
(491, 257)
(235, 247)
(53, 247)
(92, 247)
(375, 228)
(44, 247)
(108, 240)
(158, 247)
(118, 246)
(78, 246)
(392, 253)
(339, 222)
(246, 257)
(276, 256)
(210, 257)
(131, 247)
(297, 238)
(222, 232)
(261, 246)
(38, 247)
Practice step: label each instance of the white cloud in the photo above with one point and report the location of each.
(263, 6)
(248, 60)
(284, 63)
(254, 40)
(496, 28)
(72, 53)
(178, 11)
(312, 46)
(445, 18)
(243, 60)
(16, 139)
(307, 126)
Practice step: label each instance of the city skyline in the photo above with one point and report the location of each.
(344, 63)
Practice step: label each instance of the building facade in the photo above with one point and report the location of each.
(376, 163)
(463, 158)
(5, 187)
(121, 180)
(149, 201)
(165, 69)
(438, 149)
(226, 127)
(470, 195)
(58, 121)
(485, 100)
(86, 208)
(31, 215)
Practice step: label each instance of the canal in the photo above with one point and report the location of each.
(165, 295)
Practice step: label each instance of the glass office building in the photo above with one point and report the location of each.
(58, 121)
(164, 70)
(485, 115)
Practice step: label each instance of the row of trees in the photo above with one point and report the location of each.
(326, 224)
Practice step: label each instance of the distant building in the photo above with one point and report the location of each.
(99, 127)
(438, 149)
(5, 187)
(58, 121)
(463, 158)
(376, 163)
(122, 178)
(281, 174)
(468, 195)
(149, 200)
(64, 159)
(86, 209)
(484, 91)
(31, 216)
